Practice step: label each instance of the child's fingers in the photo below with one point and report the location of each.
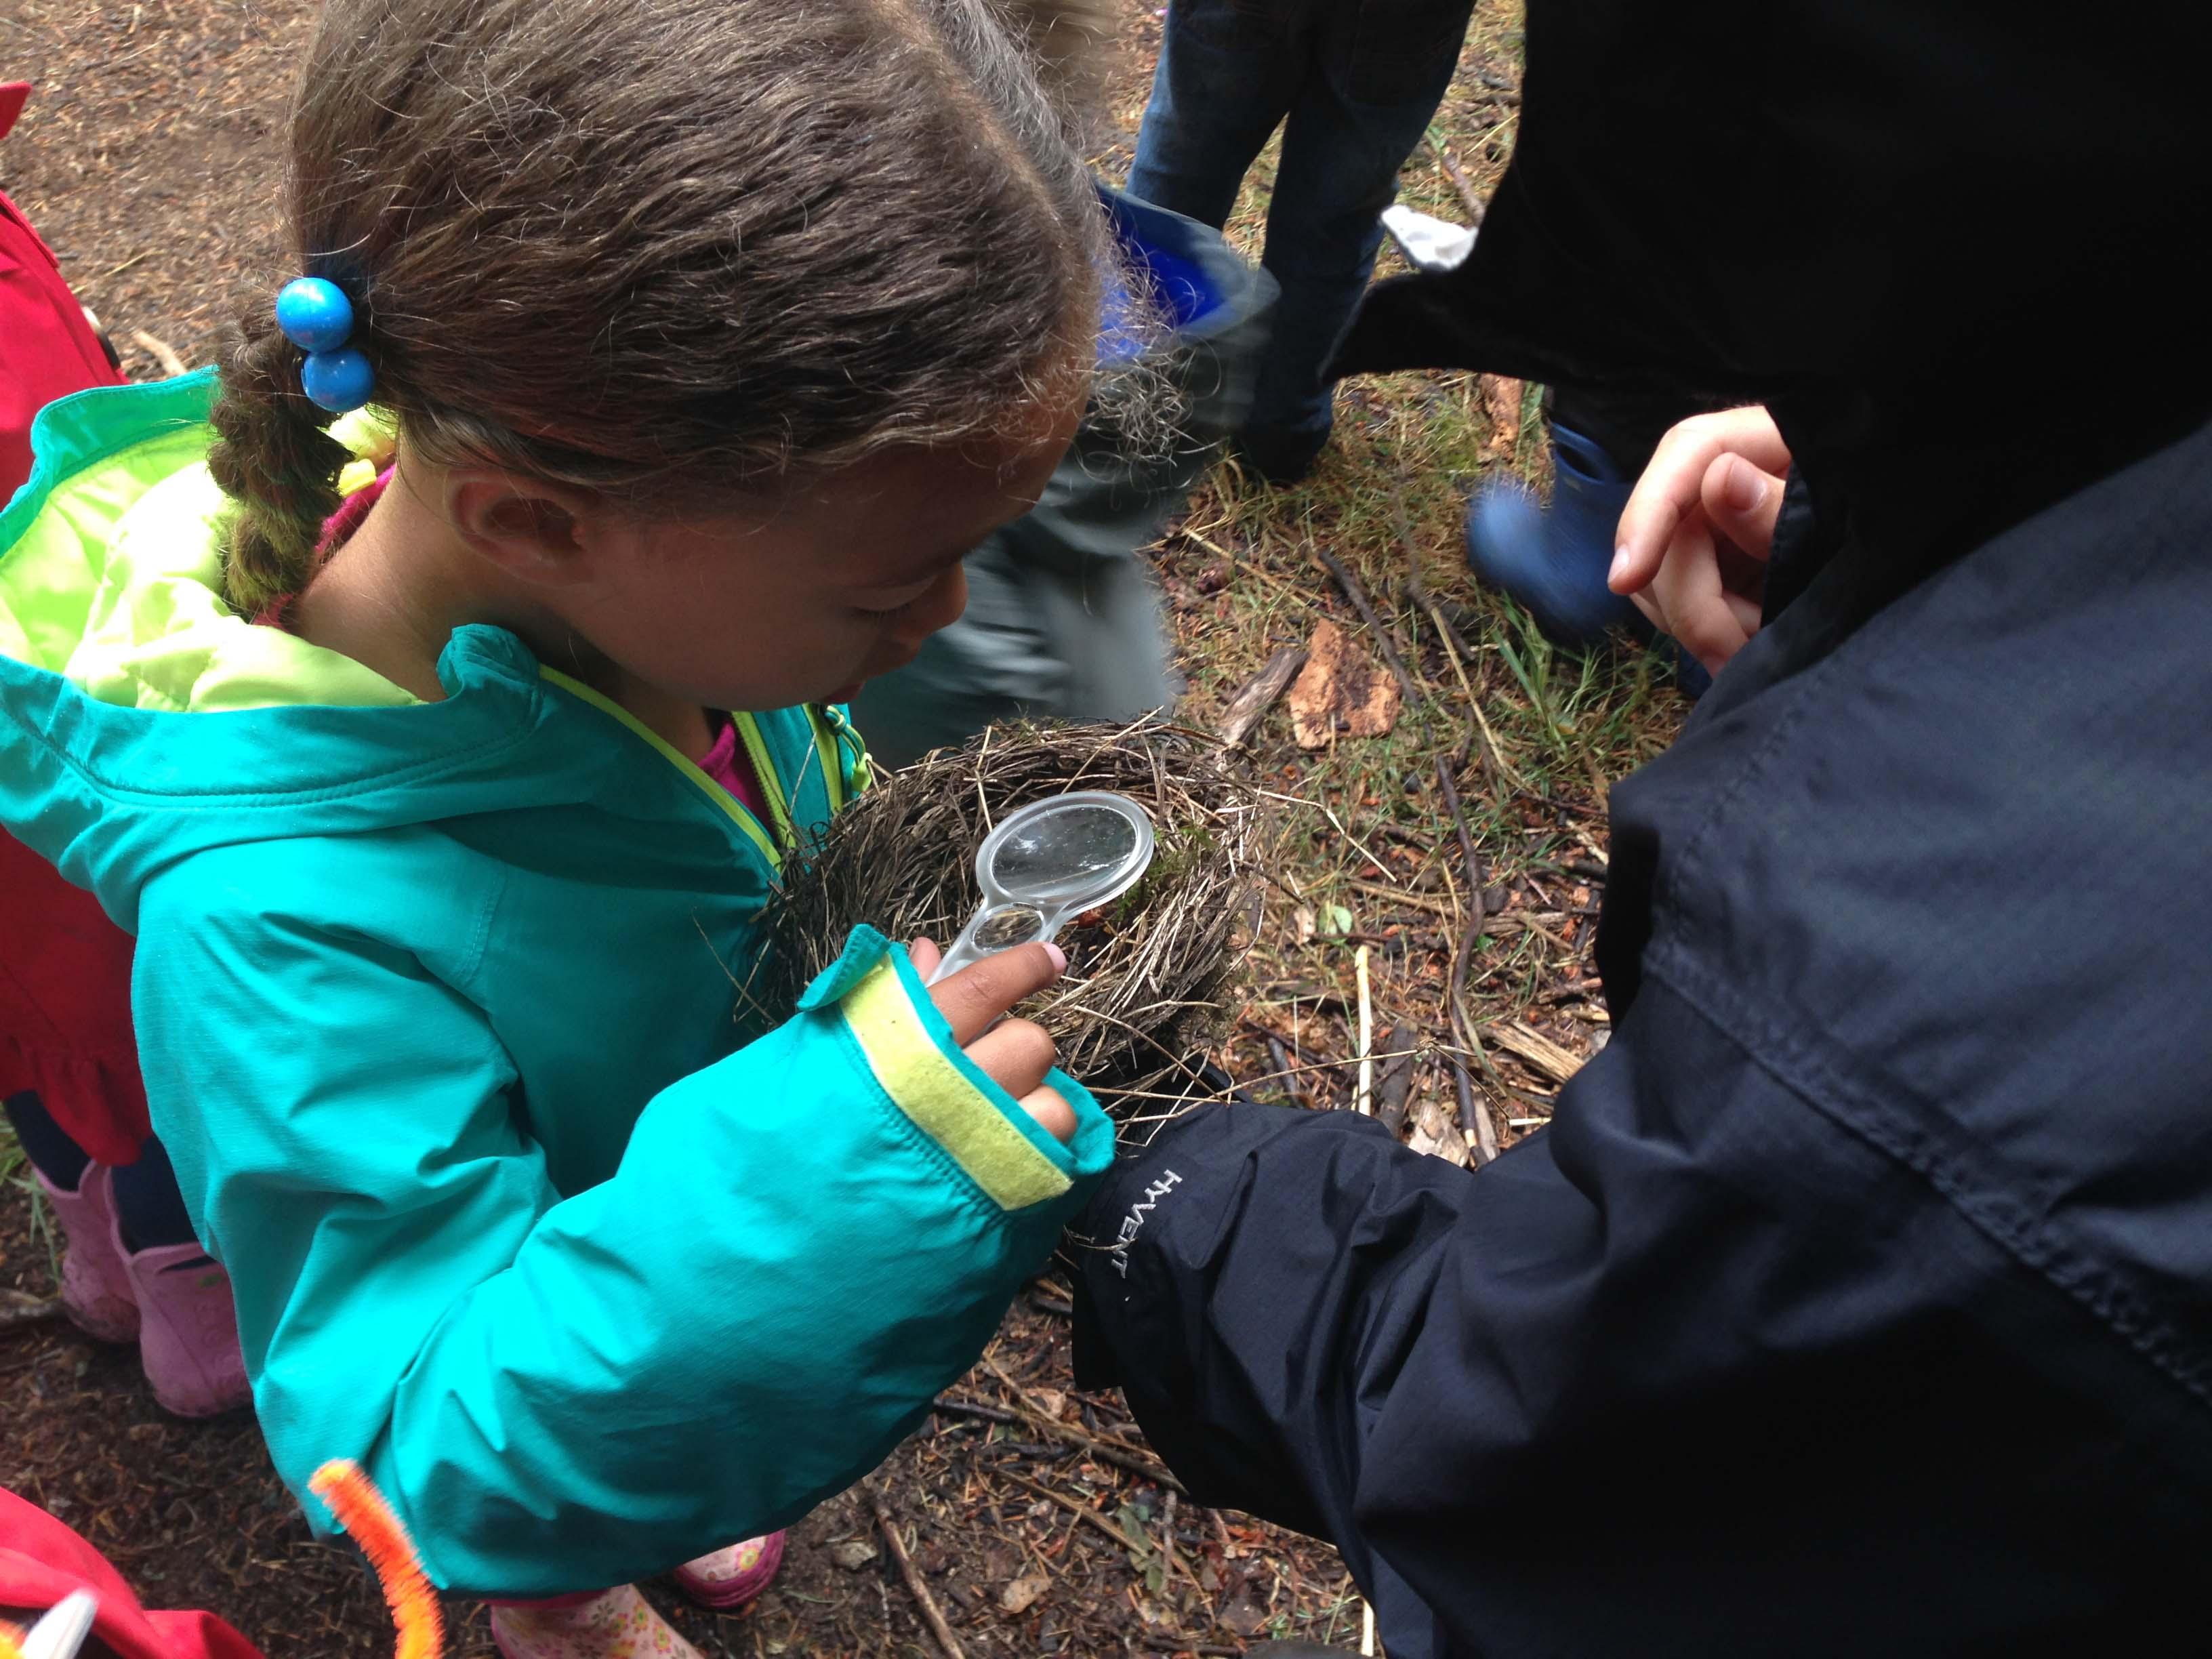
(1668, 490)
(1688, 593)
(971, 998)
(924, 955)
(1052, 1112)
(1016, 1052)
(1742, 502)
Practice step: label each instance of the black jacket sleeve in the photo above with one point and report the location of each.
(1696, 1370)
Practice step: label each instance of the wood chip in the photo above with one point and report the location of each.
(1022, 1594)
(1436, 1135)
(1526, 1043)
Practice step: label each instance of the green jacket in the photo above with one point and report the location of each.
(435, 1001)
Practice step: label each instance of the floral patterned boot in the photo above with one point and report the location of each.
(731, 1577)
(618, 1624)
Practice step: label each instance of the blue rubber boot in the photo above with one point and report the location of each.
(1553, 559)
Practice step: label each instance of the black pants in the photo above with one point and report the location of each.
(147, 1202)
(1626, 425)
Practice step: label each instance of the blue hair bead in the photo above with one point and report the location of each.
(339, 381)
(315, 315)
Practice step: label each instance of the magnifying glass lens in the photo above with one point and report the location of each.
(1011, 924)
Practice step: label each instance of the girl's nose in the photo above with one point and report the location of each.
(940, 607)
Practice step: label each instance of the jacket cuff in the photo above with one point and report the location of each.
(888, 1016)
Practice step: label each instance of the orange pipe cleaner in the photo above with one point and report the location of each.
(369, 1521)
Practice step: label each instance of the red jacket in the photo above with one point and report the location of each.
(41, 1561)
(65, 969)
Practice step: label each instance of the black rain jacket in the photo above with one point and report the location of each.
(1859, 1299)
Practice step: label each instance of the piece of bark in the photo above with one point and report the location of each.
(1394, 1058)
(1340, 690)
(1501, 406)
(1250, 706)
(1435, 1134)
(1385, 637)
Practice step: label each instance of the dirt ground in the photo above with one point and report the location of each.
(1033, 1514)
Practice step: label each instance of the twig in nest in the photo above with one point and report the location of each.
(928, 1603)
(1369, 615)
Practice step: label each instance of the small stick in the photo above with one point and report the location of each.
(1474, 1119)
(963, 1408)
(934, 1619)
(29, 1312)
(1366, 1096)
(1121, 1457)
(1367, 1629)
(1368, 614)
(1323, 809)
(163, 352)
(1119, 1537)
(1281, 1056)
(1456, 649)
(1473, 203)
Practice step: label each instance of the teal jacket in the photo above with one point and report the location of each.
(434, 1003)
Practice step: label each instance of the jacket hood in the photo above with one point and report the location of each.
(143, 720)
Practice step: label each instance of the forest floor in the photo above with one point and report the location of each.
(1032, 1513)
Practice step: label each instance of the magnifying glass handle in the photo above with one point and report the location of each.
(962, 953)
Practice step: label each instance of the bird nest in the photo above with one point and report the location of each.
(1149, 975)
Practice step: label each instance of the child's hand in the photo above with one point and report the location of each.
(1016, 1052)
(1694, 536)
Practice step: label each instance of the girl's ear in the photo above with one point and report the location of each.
(540, 532)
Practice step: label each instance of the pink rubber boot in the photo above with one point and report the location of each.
(187, 1331)
(731, 1577)
(96, 1284)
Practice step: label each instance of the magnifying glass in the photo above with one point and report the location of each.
(1052, 860)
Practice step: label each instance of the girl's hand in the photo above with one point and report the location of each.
(1694, 537)
(1016, 1052)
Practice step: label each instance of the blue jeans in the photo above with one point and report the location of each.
(1353, 83)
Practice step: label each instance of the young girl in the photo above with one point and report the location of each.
(713, 333)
